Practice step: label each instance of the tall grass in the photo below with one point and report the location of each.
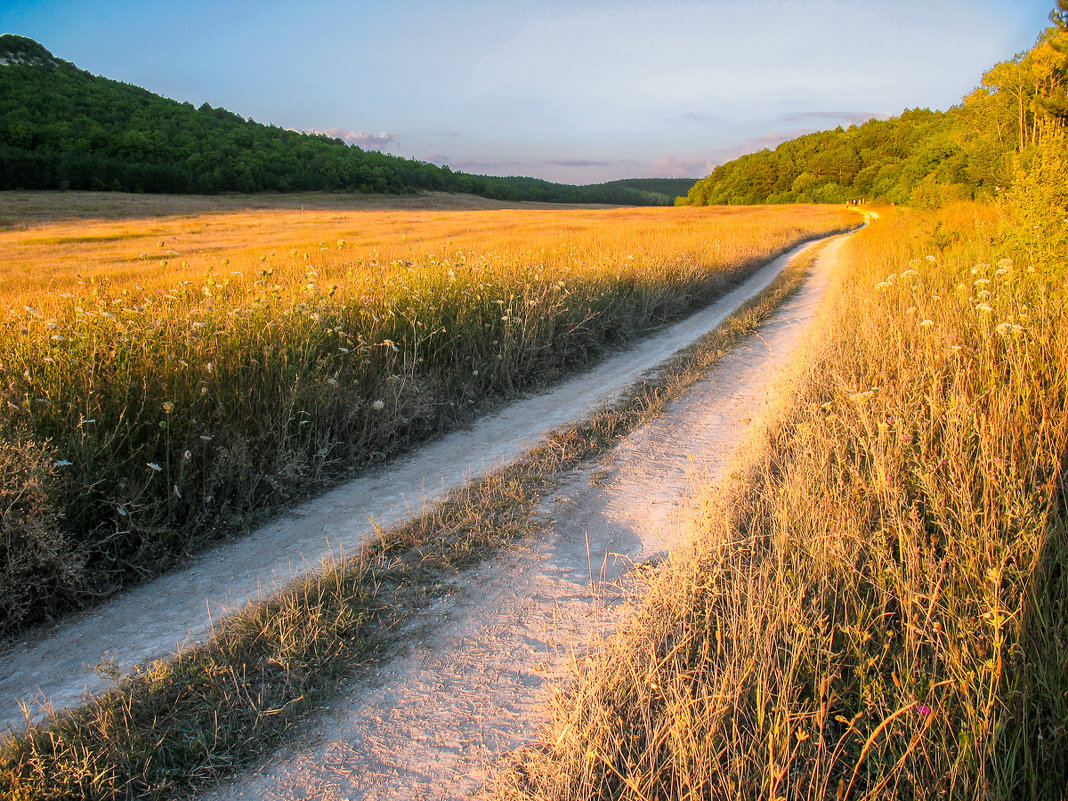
(138, 422)
(875, 608)
(184, 722)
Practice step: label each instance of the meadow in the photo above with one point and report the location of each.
(874, 604)
(172, 379)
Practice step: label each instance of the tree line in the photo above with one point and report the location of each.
(921, 157)
(63, 128)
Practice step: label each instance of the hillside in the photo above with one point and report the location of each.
(921, 157)
(63, 128)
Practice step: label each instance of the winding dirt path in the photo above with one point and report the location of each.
(56, 665)
(476, 678)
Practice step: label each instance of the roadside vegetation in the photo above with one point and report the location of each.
(190, 720)
(874, 606)
(154, 403)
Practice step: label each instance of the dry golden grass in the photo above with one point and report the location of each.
(153, 405)
(159, 251)
(875, 604)
(185, 722)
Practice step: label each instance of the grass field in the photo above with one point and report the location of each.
(181, 376)
(875, 604)
(183, 722)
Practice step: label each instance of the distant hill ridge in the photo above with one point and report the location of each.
(64, 128)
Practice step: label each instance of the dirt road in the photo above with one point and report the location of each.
(481, 664)
(57, 665)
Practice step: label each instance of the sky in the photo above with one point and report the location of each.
(577, 91)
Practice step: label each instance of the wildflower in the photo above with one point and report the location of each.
(931, 258)
(862, 397)
(984, 308)
(206, 437)
(910, 310)
(187, 455)
(924, 710)
(168, 407)
(58, 338)
(1003, 328)
(378, 405)
(882, 286)
(154, 466)
(981, 282)
(199, 325)
(85, 420)
(33, 311)
(927, 324)
(62, 463)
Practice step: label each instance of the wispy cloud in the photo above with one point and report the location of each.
(577, 163)
(816, 117)
(368, 141)
(697, 118)
(772, 139)
(473, 165)
(670, 167)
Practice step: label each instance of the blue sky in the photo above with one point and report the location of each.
(577, 91)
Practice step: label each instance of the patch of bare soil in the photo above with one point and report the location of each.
(476, 678)
(57, 665)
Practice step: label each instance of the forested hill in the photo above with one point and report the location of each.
(921, 157)
(63, 128)
(668, 187)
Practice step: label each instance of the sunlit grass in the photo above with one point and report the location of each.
(153, 399)
(875, 605)
(187, 721)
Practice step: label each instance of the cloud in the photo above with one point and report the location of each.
(670, 167)
(848, 117)
(472, 165)
(770, 140)
(698, 118)
(368, 141)
(577, 163)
